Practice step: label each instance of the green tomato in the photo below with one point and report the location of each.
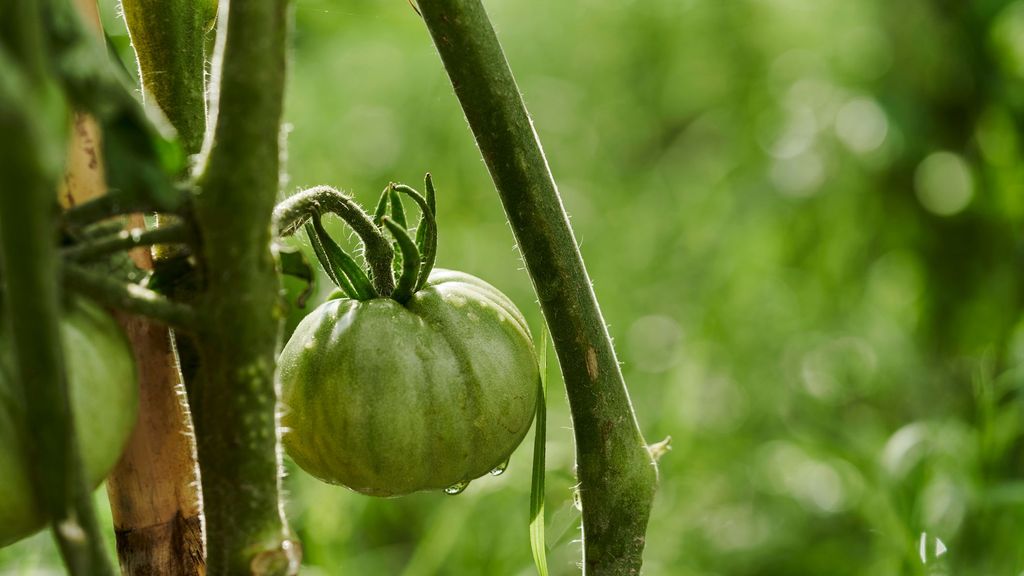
(389, 399)
(104, 403)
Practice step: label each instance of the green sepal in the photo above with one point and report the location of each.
(382, 206)
(426, 234)
(410, 261)
(347, 269)
(428, 183)
(397, 209)
(325, 263)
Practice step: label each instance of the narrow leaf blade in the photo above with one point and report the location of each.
(539, 441)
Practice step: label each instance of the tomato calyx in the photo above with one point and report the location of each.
(410, 255)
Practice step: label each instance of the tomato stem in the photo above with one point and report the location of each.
(131, 298)
(617, 475)
(410, 261)
(169, 41)
(127, 240)
(293, 212)
(234, 395)
(111, 205)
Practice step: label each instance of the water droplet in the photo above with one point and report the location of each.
(499, 469)
(940, 548)
(456, 488)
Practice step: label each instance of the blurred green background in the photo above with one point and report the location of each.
(803, 221)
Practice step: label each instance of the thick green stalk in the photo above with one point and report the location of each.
(168, 37)
(617, 475)
(235, 392)
(33, 120)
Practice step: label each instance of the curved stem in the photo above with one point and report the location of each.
(426, 234)
(126, 240)
(617, 474)
(410, 261)
(294, 211)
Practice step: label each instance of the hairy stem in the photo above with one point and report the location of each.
(168, 37)
(130, 298)
(33, 120)
(293, 212)
(235, 391)
(617, 475)
(126, 240)
(104, 207)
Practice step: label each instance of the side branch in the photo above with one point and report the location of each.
(129, 297)
(126, 240)
(617, 474)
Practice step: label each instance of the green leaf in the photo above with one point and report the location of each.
(140, 161)
(540, 558)
(294, 264)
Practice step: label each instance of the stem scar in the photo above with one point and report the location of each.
(592, 363)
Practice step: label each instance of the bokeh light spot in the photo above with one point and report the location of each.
(861, 125)
(944, 183)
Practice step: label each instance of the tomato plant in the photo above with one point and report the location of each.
(425, 388)
(416, 382)
(104, 398)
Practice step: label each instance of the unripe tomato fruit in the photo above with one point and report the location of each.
(104, 402)
(389, 399)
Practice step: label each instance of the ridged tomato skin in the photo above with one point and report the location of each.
(104, 402)
(389, 399)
